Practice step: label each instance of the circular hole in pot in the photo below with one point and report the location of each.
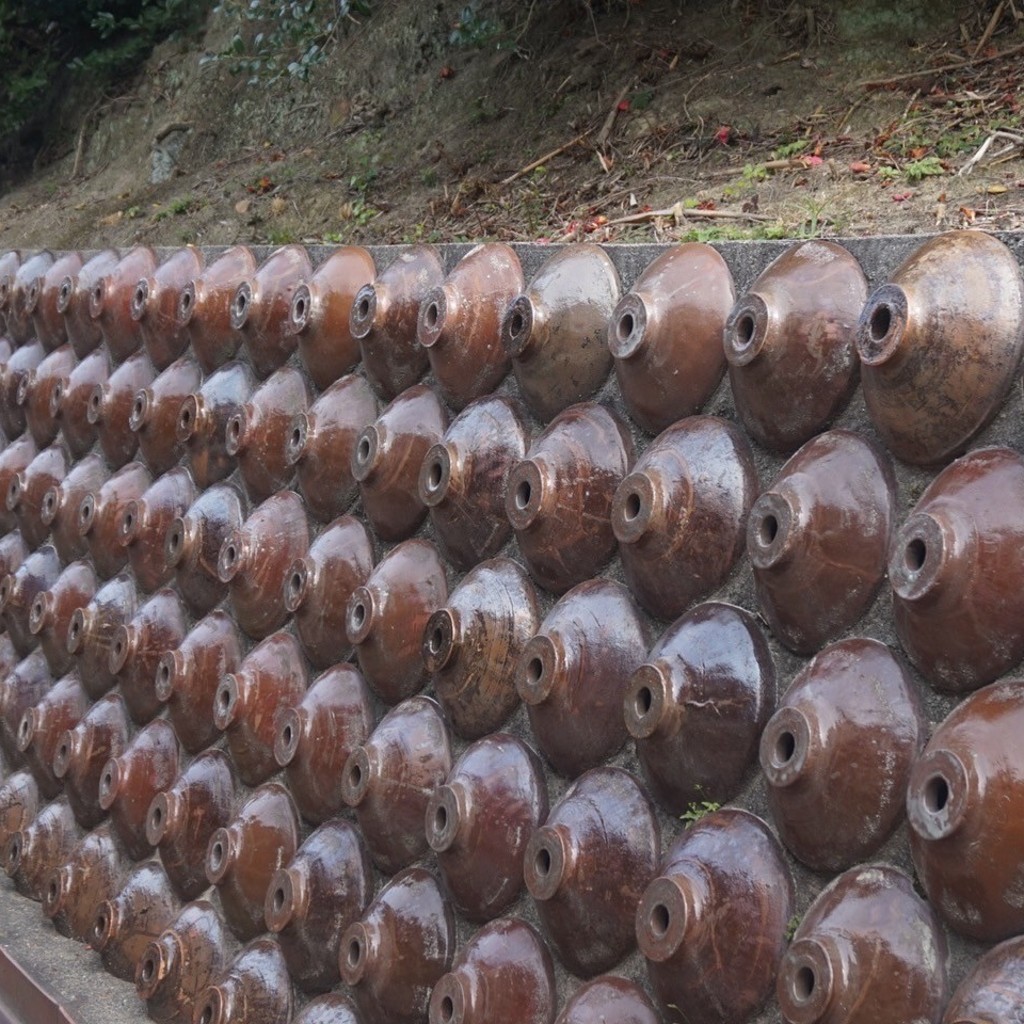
(51, 893)
(434, 475)
(436, 640)
(447, 1009)
(516, 324)
(431, 314)
(207, 1017)
(803, 984)
(363, 452)
(157, 817)
(355, 952)
(148, 969)
(936, 794)
(785, 748)
(363, 309)
(224, 698)
(358, 615)
(523, 494)
(300, 308)
(186, 301)
(643, 701)
(440, 818)
(880, 323)
(768, 530)
(914, 555)
(296, 437)
(744, 331)
(101, 925)
(626, 326)
(659, 919)
(542, 862)
(633, 506)
(217, 855)
(355, 776)
(230, 555)
(534, 670)
(278, 900)
(295, 584)
(286, 735)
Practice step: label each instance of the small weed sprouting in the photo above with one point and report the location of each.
(791, 927)
(698, 810)
(784, 152)
(928, 167)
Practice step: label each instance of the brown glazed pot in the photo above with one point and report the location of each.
(93, 630)
(110, 408)
(387, 458)
(82, 754)
(15, 372)
(819, 539)
(504, 972)
(10, 261)
(868, 951)
(50, 615)
(559, 498)
(609, 998)
(258, 434)
(386, 618)
(666, 335)
(311, 902)
(177, 967)
(156, 411)
(555, 332)
(92, 873)
(333, 1008)
(322, 442)
(145, 522)
(36, 392)
(320, 314)
(394, 955)
(188, 675)
(271, 677)
(472, 646)
(940, 345)
(697, 705)
(573, 674)
(204, 417)
(314, 739)
(193, 542)
(101, 517)
(155, 305)
(60, 708)
(255, 559)
(837, 754)
(384, 317)
(956, 572)
(110, 301)
(479, 822)
(182, 819)
(254, 989)
(130, 781)
(262, 308)
(205, 304)
(43, 844)
(13, 551)
(463, 478)
(790, 344)
(460, 323)
(965, 832)
(70, 401)
(20, 689)
(389, 781)
(680, 517)
(41, 300)
(319, 586)
(993, 990)
(19, 590)
(15, 458)
(588, 866)
(26, 490)
(73, 301)
(20, 800)
(724, 885)
(16, 291)
(243, 856)
(61, 506)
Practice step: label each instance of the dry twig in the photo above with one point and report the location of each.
(544, 159)
(1014, 140)
(881, 83)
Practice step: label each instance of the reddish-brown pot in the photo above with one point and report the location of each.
(110, 301)
(333, 1008)
(697, 705)
(15, 371)
(41, 300)
(155, 413)
(62, 503)
(993, 990)
(51, 613)
(71, 401)
(26, 490)
(479, 822)
(16, 293)
(36, 392)
(609, 998)
(10, 261)
(555, 331)
(463, 479)
(155, 305)
(254, 989)
(588, 866)
(110, 408)
(15, 458)
(101, 517)
(43, 844)
(573, 674)
(73, 301)
(41, 727)
(93, 630)
(559, 498)
(20, 800)
(13, 551)
(19, 590)
(20, 689)
(680, 517)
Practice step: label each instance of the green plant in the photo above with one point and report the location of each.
(791, 927)
(888, 173)
(784, 152)
(928, 167)
(474, 29)
(697, 810)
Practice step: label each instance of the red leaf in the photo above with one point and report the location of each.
(623, 106)
(723, 134)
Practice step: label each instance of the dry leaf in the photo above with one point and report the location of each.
(111, 219)
(996, 190)
(278, 206)
(242, 206)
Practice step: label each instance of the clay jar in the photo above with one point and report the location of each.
(70, 402)
(262, 308)
(271, 677)
(790, 344)
(463, 479)
(390, 778)
(205, 303)
(181, 820)
(41, 300)
(40, 729)
(680, 517)
(110, 408)
(319, 587)
(993, 991)
(155, 305)
(19, 590)
(255, 989)
(73, 301)
(559, 498)
(666, 335)
(387, 458)
(193, 542)
(724, 884)
(101, 517)
(868, 951)
(587, 867)
(52, 610)
(110, 302)
(322, 442)
(326, 887)
(460, 323)
(837, 754)
(314, 739)
(13, 376)
(242, 858)
(258, 434)
(22, 687)
(956, 571)
(155, 413)
(20, 800)
(606, 999)
(320, 314)
(15, 458)
(479, 822)
(90, 875)
(504, 972)
(13, 551)
(472, 646)
(393, 957)
(555, 331)
(697, 705)
(819, 539)
(384, 318)
(330, 1009)
(964, 834)
(188, 675)
(16, 292)
(26, 490)
(93, 629)
(43, 844)
(573, 674)
(255, 559)
(36, 392)
(204, 417)
(940, 345)
(10, 261)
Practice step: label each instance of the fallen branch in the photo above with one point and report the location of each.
(909, 76)
(609, 121)
(997, 16)
(1014, 140)
(678, 212)
(545, 158)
